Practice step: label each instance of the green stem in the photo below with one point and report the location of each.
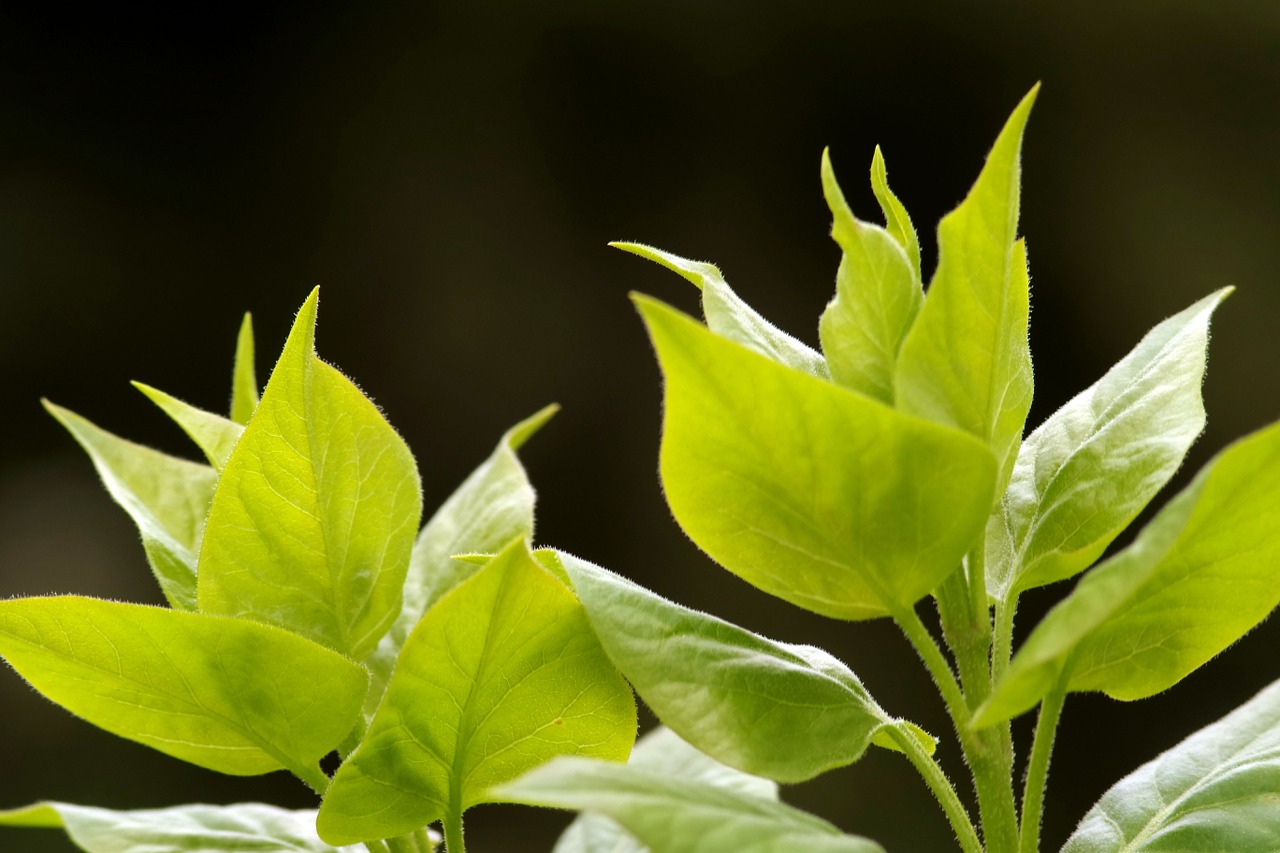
(941, 787)
(453, 842)
(314, 777)
(405, 844)
(1002, 653)
(377, 847)
(1038, 765)
(959, 627)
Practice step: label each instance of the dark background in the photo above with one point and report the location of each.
(450, 173)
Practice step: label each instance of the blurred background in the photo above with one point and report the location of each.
(450, 173)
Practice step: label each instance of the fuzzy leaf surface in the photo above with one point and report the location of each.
(966, 362)
(1214, 791)
(501, 675)
(239, 828)
(731, 318)
(809, 491)
(315, 515)
(877, 298)
(493, 506)
(679, 815)
(231, 695)
(244, 377)
(780, 711)
(897, 221)
(1088, 470)
(662, 752)
(215, 435)
(167, 498)
(1196, 579)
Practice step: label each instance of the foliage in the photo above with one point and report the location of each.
(458, 665)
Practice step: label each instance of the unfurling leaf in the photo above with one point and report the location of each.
(215, 435)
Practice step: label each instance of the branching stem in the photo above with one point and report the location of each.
(1038, 765)
(941, 787)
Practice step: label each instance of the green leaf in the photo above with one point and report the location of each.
(772, 709)
(167, 498)
(501, 675)
(877, 297)
(731, 318)
(662, 752)
(1214, 791)
(897, 222)
(1195, 580)
(801, 487)
(315, 514)
(966, 362)
(678, 815)
(244, 827)
(1089, 469)
(493, 506)
(244, 379)
(233, 696)
(213, 434)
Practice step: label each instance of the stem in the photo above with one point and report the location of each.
(1003, 650)
(959, 627)
(405, 844)
(453, 842)
(941, 787)
(314, 777)
(376, 847)
(927, 647)
(1038, 765)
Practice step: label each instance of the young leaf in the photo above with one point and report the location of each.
(501, 675)
(1214, 791)
(213, 434)
(493, 506)
(897, 222)
(678, 815)
(244, 379)
(877, 297)
(167, 498)
(661, 752)
(183, 829)
(965, 362)
(812, 493)
(234, 696)
(1089, 469)
(315, 514)
(730, 317)
(772, 709)
(1195, 580)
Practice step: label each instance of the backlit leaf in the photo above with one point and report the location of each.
(877, 297)
(809, 491)
(731, 318)
(244, 378)
(1196, 579)
(213, 434)
(897, 222)
(1217, 790)
(167, 498)
(314, 517)
(1088, 470)
(231, 695)
(501, 675)
(772, 709)
(966, 362)
(678, 815)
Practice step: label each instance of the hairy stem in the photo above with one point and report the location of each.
(941, 787)
(314, 777)
(1038, 766)
(453, 842)
(1002, 651)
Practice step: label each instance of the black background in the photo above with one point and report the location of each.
(450, 174)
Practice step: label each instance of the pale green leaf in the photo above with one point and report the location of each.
(492, 506)
(877, 297)
(234, 696)
(167, 498)
(314, 518)
(772, 709)
(662, 752)
(966, 362)
(1088, 470)
(244, 378)
(897, 222)
(809, 491)
(1217, 790)
(1196, 579)
(678, 815)
(213, 434)
(731, 318)
(239, 828)
(501, 675)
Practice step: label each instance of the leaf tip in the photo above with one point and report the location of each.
(523, 431)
